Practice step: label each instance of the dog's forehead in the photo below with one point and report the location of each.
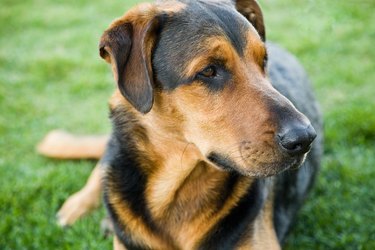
(201, 19)
(184, 34)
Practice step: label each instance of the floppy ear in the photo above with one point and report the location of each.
(251, 10)
(128, 45)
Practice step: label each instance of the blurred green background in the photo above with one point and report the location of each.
(52, 77)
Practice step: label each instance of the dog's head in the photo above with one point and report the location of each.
(200, 66)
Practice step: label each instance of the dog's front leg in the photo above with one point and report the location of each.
(84, 201)
(117, 245)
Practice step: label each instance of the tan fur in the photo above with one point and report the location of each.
(246, 134)
(216, 47)
(84, 201)
(264, 235)
(170, 6)
(140, 233)
(181, 180)
(252, 11)
(117, 244)
(255, 49)
(235, 123)
(183, 186)
(178, 179)
(62, 145)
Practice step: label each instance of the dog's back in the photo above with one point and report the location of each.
(290, 79)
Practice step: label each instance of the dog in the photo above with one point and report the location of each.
(210, 126)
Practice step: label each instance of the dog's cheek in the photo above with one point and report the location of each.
(204, 123)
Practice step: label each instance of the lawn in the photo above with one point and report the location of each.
(51, 76)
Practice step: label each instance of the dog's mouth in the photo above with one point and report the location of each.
(257, 168)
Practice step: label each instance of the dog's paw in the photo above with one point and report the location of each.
(75, 207)
(106, 227)
(63, 145)
(54, 144)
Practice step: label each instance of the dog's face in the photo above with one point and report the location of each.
(200, 67)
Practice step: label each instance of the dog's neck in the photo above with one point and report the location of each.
(184, 189)
(184, 193)
(178, 166)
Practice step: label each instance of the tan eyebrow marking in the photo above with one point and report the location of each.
(216, 47)
(255, 48)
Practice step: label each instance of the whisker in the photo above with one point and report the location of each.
(183, 152)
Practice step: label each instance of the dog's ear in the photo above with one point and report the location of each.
(128, 45)
(251, 10)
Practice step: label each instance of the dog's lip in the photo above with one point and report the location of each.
(261, 170)
(223, 163)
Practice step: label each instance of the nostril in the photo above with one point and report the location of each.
(291, 142)
(297, 140)
(292, 146)
(311, 133)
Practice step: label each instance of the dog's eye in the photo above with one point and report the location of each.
(208, 72)
(265, 61)
(214, 76)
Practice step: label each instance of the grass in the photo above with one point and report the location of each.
(52, 77)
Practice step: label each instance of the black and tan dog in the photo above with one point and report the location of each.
(198, 131)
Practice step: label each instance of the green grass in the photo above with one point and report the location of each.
(52, 77)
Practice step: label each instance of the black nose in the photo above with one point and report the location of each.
(296, 140)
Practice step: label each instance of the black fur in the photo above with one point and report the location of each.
(178, 43)
(181, 36)
(120, 229)
(223, 162)
(125, 176)
(221, 76)
(292, 186)
(124, 166)
(230, 230)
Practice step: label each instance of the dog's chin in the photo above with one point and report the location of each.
(267, 169)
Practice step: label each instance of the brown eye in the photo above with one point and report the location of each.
(208, 72)
(265, 60)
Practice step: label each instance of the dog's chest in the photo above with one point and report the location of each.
(189, 201)
(199, 205)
